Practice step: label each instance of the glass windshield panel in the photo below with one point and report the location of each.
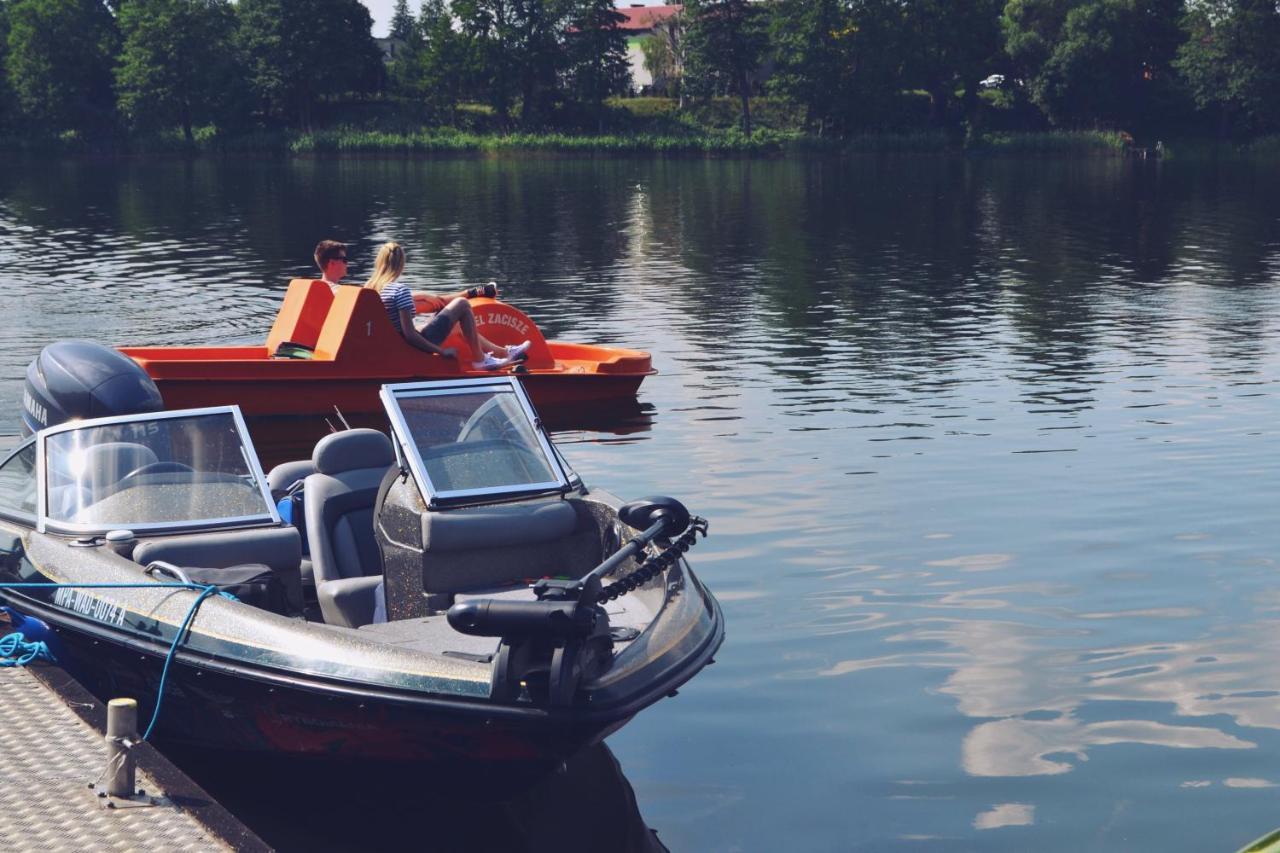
(476, 442)
(154, 472)
(18, 482)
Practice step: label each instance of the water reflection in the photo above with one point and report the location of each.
(987, 448)
(587, 806)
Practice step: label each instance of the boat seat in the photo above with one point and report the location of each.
(340, 503)
(505, 545)
(284, 475)
(107, 464)
(278, 548)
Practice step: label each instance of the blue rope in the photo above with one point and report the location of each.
(16, 650)
(205, 592)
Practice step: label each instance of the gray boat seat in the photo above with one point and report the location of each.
(504, 545)
(284, 475)
(107, 464)
(340, 502)
(278, 548)
(104, 466)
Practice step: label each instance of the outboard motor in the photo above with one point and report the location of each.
(84, 379)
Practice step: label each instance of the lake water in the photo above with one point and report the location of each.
(989, 450)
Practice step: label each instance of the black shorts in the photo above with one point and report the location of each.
(434, 327)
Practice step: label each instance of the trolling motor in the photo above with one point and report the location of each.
(562, 635)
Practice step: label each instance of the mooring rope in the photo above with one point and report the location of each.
(16, 650)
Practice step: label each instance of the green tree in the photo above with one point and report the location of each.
(176, 64)
(6, 93)
(403, 25)
(725, 44)
(491, 32)
(811, 42)
(299, 52)
(519, 52)
(950, 47)
(58, 61)
(434, 64)
(597, 54)
(1095, 61)
(1231, 62)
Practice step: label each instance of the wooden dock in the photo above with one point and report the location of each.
(52, 754)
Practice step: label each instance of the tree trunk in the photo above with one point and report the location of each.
(187, 132)
(745, 88)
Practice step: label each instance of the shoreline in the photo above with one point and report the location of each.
(763, 143)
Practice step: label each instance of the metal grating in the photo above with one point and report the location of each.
(48, 759)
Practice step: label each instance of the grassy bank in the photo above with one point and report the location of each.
(634, 127)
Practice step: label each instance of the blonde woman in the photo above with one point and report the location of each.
(428, 331)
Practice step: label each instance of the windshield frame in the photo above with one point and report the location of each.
(407, 448)
(45, 524)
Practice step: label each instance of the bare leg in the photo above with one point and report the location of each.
(459, 310)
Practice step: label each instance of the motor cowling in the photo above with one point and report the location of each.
(84, 379)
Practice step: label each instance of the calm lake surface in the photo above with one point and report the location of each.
(990, 451)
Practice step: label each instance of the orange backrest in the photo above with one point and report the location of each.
(358, 328)
(302, 315)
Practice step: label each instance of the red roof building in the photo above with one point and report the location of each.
(640, 22)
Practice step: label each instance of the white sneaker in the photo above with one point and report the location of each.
(490, 362)
(518, 350)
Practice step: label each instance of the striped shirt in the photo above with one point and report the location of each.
(396, 298)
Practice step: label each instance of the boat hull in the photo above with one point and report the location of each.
(351, 350)
(295, 393)
(224, 702)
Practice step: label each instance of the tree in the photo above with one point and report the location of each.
(6, 93)
(403, 26)
(490, 29)
(725, 43)
(597, 53)
(1231, 62)
(58, 61)
(175, 66)
(948, 47)
(297, 52)
(1090, 61)
(811, 40)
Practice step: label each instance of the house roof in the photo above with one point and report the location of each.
(641, 18)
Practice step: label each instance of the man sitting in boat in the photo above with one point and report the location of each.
(428, 331)
(331, 258)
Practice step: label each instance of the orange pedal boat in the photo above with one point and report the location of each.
(350, 349)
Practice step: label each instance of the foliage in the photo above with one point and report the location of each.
(58, 63)
(1095, 61)
(175, 66)
(297, 52)
(948, 47)
(1231, 62)
(221, 75)
(725, 44)
(596, 54)
(403, 25)
(811, 40)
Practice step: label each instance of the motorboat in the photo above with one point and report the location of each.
(331, 349)
(450, 590)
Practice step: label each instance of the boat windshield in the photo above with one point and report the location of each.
(162, 470)
(472, 439)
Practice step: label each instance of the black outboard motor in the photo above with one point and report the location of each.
(83, 379)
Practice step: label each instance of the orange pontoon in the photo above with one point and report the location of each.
(355, 349)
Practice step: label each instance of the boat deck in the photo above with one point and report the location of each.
(50, 758)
